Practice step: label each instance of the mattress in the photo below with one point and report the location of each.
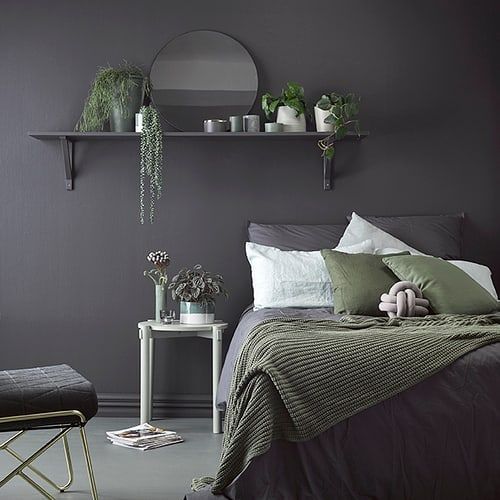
(438, 439)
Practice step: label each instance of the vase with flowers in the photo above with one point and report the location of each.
(160, 259)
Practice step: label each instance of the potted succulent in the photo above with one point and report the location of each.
(160, 260)
(116, 94)
(339, 112)
(290, 106)
(196, 290)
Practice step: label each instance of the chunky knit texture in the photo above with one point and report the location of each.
(296, 378)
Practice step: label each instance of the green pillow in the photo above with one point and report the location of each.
(358, 281)
(448, 289)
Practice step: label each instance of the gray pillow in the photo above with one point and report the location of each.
(305, 237)
(437, 235)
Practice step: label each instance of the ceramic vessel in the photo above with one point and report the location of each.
(251, 123)
(319, 117)
(291, 122)
(273, 127)
(236, 123)
(215, 125)
(124, 120)
(160, 300)
(197, 313)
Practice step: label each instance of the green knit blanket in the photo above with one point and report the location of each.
(296, 378)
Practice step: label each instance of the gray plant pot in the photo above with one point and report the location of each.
(196, 313)
(125, 121)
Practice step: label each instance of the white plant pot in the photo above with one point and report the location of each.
(291, 122)
(195, 313)
(319, 117)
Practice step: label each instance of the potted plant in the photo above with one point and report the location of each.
(340, 112)
(116, 94)
(290, 106)
(196, 290)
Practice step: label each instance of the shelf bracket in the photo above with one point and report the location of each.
(67, 148)
(328, 173)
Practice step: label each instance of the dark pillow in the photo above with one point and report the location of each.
(358, 281)
(305, 237)
(437, 235)
(448, 289)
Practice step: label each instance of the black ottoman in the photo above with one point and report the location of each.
(50, 397)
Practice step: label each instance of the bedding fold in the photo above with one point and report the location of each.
(296, 378)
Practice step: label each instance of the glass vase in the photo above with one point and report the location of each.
(160, 300)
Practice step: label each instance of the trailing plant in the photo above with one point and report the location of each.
(151, 160)
(342, 112)
(160, 259)
(111, 86)
(197, 285)
(292, 96)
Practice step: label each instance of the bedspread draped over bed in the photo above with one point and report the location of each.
(294, 379)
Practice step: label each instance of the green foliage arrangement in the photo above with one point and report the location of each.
(343, 110)
(292, 95)
(110, 86)
(197, 285)
(151, 160)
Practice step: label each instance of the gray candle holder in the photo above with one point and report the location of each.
(273, 127)
(215, 125)
(251, 123)
(236, 123)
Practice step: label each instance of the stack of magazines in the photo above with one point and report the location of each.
(143, 437)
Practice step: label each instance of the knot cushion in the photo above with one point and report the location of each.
(404, 299)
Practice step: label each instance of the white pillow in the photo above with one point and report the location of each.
(359, 230)
(479, 273)
(293, 278)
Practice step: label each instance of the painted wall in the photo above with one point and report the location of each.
(71, 284)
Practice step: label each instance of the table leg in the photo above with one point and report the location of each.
(151, 374)
(216, 365)
(145, 336)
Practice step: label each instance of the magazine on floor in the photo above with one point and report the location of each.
(143, 437)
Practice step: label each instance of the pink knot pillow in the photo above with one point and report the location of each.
(404, 299)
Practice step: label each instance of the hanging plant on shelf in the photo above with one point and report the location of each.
(342, 112)
(115, 95)
(151, 161)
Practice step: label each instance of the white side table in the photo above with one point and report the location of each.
(151, 330)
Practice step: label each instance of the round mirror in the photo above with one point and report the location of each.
(201, 75)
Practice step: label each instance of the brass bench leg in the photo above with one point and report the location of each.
(88, 461)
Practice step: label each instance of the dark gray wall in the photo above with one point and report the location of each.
(71, 284)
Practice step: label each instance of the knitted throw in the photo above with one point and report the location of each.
(296, 378)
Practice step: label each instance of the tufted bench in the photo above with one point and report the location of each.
(50, 397)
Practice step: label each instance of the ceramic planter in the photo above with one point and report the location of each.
(273, 127)
(197, 313)
(319, 117)
(125, 121)
(291, 122)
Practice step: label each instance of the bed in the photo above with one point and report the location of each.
(438, 438)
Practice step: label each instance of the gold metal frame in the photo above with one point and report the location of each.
(64, 429)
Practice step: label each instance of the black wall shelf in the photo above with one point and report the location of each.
(67, 140)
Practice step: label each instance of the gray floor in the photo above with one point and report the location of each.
(123, 474)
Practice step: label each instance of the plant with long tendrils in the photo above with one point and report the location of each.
(342, 110)
(151, 161)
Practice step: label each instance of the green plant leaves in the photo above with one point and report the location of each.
(292, 95)
(343, 110)
(197, 285)
(110, 86)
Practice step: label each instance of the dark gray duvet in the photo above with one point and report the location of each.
(438, 440)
